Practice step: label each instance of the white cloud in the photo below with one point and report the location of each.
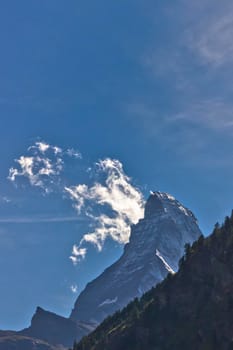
(74, 288)
(78, 254)
(117, 195)
(78, 195)
(43, 147)
(36, 169)
(41, 165)
(118, 203)
(26, 169)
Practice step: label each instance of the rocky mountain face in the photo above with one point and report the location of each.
(155, 247)
(192, 309)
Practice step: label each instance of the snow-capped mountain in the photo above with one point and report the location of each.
(155, 247)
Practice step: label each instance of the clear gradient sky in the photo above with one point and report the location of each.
(143, 85)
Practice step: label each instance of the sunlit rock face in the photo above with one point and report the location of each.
(155, 247)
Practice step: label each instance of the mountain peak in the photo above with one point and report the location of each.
(189, 310)
(54, 329)
(154, 204)
(156, 244)
(39, 310)
(160, 203)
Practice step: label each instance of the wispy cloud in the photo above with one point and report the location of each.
(212, 114)
(35, 169)
(211, 37)
(42, 164)
(116, 194)
(41, 219)
(44, 147)
(110, 204)
(203, 27)
(188, 71)
(78, 254)
(191, 132)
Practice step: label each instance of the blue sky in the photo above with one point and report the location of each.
(141, 85)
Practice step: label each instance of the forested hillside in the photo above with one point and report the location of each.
(192, 309)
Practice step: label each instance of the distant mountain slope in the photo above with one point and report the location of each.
(192, 309)
(155, 247)
(55, 329)
(13, 341)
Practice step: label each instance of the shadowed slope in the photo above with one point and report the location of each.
(192, 309)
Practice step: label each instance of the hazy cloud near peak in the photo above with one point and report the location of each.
(124, 201)
(111, 203)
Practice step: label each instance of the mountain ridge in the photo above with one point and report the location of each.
(155, 247)
(190, 309)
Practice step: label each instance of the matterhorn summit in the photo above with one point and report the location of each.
(155, 247)
(156, 244)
